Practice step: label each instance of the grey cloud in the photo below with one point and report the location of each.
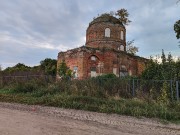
(38, 19)
(41, 28)
(152, 27)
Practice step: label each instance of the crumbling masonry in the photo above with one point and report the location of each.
(104, 52)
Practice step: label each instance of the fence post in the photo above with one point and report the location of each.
(129, 81)
(177, 90)
(46, 78)
(171, 90)
(133, 89)
(1, 83)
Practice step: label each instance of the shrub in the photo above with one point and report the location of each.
(163, 97)
(25, 87)
(28, 86)
(106, 76)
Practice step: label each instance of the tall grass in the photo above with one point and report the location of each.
(101, 95)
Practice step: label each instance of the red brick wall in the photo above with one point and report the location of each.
(81, 58)
(106, 51)
(95, 35)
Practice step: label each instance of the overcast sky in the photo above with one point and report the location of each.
(32, 30)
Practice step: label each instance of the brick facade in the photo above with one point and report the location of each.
(95, 33)
(104, 52)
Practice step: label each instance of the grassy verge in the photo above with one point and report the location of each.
(131, 107)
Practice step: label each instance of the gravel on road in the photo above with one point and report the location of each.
(19, 119)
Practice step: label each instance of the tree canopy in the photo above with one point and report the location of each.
(167, 70)
(177, 29)
(131, 48)
(123, 16)
(49, 66)
(64, 71)
(17, 67)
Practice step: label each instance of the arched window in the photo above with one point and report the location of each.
(122, 48)
(122, 35)
(107, 32)
(123, 71)
(93, 58)
(75, 69)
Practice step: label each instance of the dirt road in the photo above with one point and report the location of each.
(16, 119)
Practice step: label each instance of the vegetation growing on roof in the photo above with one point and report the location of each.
(118, 17)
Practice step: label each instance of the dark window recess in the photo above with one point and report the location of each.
(115, 62)
(93, 68)
(123, 68)
(123, 74)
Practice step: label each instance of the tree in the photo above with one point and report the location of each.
(177, 72)
(151, 71)
(163, 57)
(131, 48)
(123, 16)
(18, 67)
(112, 13)
(21, 66)
(167, 70)
(49, 66)
(169, 58)
(177, 29)
(64, 71)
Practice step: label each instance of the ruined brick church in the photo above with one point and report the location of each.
(104, 51)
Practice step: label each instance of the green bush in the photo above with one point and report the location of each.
(163, 97)
(25, 87)
(106, 76)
